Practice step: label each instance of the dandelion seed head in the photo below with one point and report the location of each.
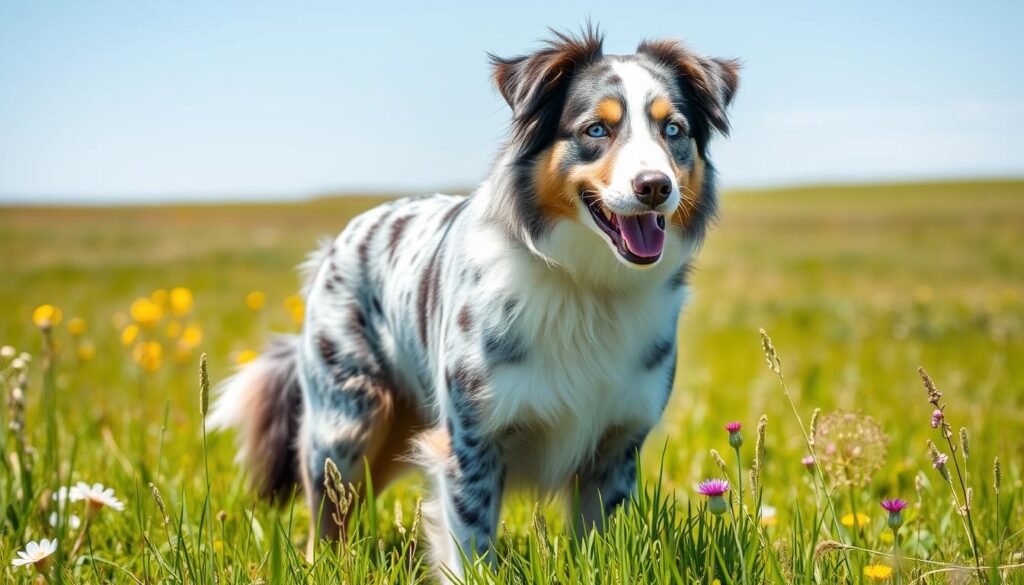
(855, 448)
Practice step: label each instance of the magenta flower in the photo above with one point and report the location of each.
(714, 489)
(808, 462)
(937, 417)
(895, 508)
(894, 505)
(735, 438)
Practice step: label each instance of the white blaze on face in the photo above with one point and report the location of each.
(643, 150)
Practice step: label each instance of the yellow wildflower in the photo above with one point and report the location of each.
(255, 300)
(77, 326)
(245, 356)
(862, 519)
(145, 312)
(878, 572)
(46, 316)
(192, 335)
(128, 334)
(148, 355)
(181, 301)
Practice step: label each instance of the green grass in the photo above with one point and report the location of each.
(858, 286)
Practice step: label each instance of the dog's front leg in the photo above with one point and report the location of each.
(607, 482)
(468, 494)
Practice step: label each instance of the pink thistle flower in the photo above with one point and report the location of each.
(894, 505)
(937, 417)
(735, 438)
(714, 489)
(895, 508)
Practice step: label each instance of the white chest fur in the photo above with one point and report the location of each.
(584, 372)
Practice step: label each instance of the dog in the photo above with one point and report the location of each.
(524, 335)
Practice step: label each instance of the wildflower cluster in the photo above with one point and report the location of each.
(159, 325)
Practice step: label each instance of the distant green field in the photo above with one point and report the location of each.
(858, 286)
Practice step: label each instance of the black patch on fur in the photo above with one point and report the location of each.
(328, 349)
(656, 353)
(680, 278)
(503, 348)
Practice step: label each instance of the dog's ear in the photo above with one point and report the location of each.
(534, 85)
(708, 85)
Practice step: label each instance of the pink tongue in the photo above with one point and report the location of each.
(642, 234)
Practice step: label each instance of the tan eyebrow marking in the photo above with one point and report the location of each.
(660, 108)
(609, 110)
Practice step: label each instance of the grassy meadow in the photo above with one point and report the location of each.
(857, 286)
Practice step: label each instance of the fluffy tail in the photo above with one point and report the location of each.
(263, 403)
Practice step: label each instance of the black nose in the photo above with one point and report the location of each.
(652, 187)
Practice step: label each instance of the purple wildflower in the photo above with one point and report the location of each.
(714, 489)
(894, 505)
(735, 438)
(895, 508)
(937, 417)
(939, 463)
(808, 462)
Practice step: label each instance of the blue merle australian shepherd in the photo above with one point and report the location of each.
(524, 335)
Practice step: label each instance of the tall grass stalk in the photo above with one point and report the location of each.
(775, 365)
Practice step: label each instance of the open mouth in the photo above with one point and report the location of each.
(639, 239)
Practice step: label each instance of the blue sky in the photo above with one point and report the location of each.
(152, 101)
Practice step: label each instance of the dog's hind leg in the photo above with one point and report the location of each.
(352, 413)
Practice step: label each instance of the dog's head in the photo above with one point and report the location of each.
(616, 145)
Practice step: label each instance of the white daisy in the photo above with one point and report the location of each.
(36, 554)
(73, 521)
(7, 352)
(96, 496)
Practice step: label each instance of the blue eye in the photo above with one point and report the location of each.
(672, 130)
(597, 131)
